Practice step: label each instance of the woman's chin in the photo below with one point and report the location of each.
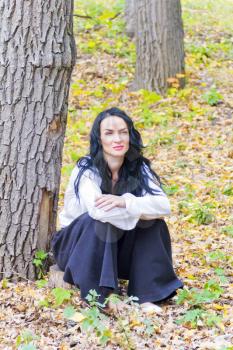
(120, 153)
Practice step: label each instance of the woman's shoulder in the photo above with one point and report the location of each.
(86, 167)
(146, 169)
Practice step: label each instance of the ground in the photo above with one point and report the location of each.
(189, 140)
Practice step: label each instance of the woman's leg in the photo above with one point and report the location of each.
(86, 251)
(149, 262)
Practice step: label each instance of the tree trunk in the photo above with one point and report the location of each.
(160, 49)
(130, 17)
(37, 54)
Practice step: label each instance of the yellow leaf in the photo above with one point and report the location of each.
(179, 75)
(77, 317)
(221, 326)
(191, 277)
(136, 323)
(217, 306)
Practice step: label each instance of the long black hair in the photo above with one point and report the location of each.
(135, 172)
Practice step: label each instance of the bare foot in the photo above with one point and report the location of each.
(151, 308)
(117, 307)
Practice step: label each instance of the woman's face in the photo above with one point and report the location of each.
(114, 136)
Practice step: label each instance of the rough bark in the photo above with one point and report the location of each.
(159, 40)
(37, 53)
(56, 278)
(130, 17)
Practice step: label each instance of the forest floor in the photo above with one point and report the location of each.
(189, 140)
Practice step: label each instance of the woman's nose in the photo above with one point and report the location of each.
(117, 138)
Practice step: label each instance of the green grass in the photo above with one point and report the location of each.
(213, 15)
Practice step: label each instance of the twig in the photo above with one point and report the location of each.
(82, 16)
(116, 15)
(89, 17)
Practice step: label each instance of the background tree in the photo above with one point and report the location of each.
(159, 41)
(130, 17)
(37, 53)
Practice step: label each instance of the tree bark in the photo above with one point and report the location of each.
(37, 54)
(130, 17)
(160, 48)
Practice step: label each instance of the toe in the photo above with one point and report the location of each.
(151, 308)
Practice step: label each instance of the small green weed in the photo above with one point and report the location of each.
(199, 317)
(56, 298)
(202, 215)
(196, 212)
(94, 319)
(41, 283)
(228, 190)
(170, 190)
(195, 297)
(228, 230)
(25, 341)
(212, 97)
(196, 300)
(39, 261)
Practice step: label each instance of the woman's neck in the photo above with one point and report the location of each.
(114, 164)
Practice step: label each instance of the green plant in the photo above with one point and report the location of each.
(220, 273)
(69, 311)
(94, 319)
(181, 164)
(61, 295)
(202, 215)
(196, 297)
(149, 326)
(41, 283)
(228, 230)
(56, 298)
(217, 255)
(163, 138)
(198, 317)
(196, 300)
(4, 283)
(212, 97)
(196, 212)
(38, 261)
(170, 190)
(228, 190)
(25, 341)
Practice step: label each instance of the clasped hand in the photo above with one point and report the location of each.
(109, 201)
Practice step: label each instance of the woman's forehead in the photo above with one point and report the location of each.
(113, 123)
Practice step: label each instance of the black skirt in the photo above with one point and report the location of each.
(94, 255)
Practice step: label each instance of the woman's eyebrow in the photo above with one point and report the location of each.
(113, 129)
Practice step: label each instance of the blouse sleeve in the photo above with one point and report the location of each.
(89, 190)
(148, 206)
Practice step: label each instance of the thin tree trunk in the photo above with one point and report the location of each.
(37, 53)
(159, 40)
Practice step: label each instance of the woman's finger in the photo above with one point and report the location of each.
(109, 207)
(103, 204)
(101, 200)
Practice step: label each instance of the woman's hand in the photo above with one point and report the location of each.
(109, 201)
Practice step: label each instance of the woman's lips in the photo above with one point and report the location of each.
(118, 148)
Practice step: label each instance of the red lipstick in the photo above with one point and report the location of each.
(118, 148)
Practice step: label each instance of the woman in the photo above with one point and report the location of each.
(112, 225)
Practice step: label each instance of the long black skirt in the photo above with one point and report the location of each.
(93, 255)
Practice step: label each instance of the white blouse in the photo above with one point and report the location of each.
(146, 207)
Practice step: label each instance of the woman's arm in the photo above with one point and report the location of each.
(89, 190)
(148, 206)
